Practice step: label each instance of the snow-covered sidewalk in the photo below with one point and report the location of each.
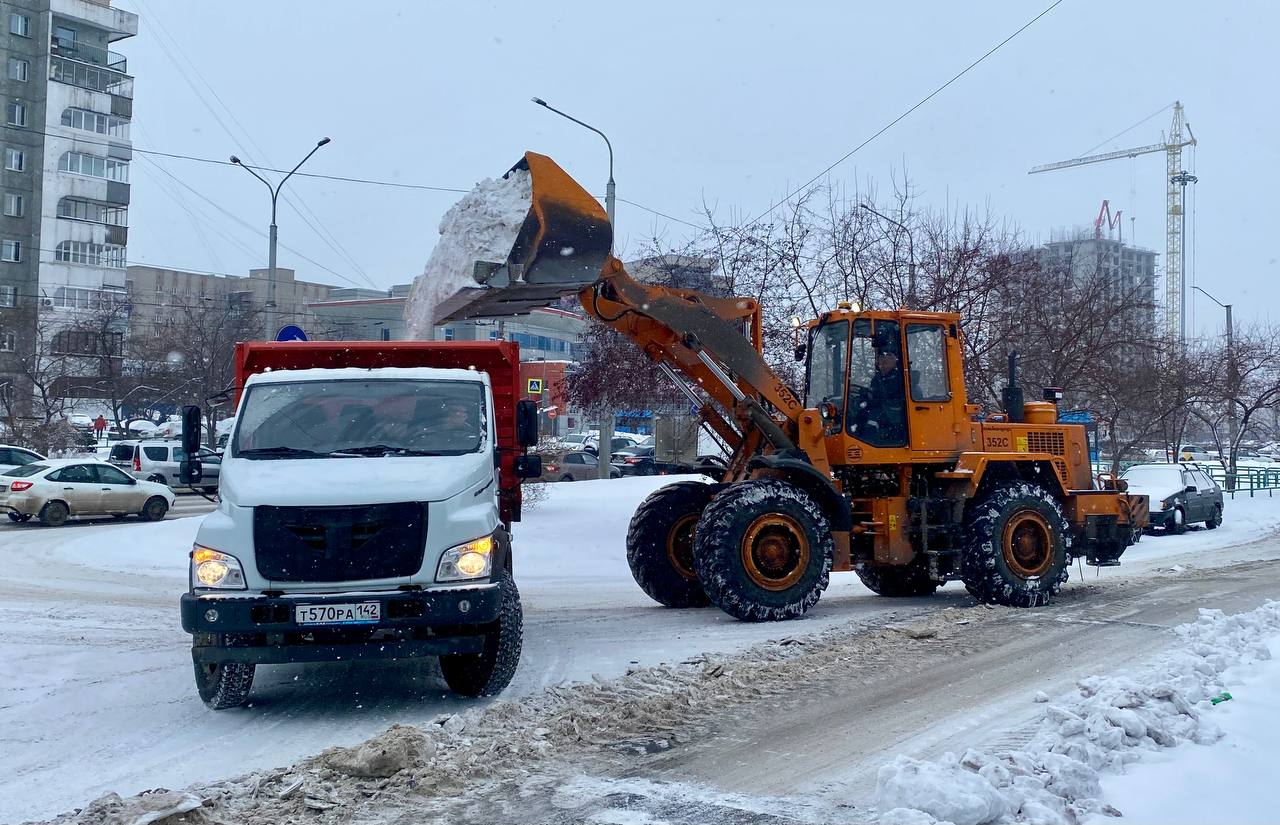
(1216, 760)
(1231, 780)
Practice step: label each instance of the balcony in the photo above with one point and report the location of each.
(86, 53)
(95, 78)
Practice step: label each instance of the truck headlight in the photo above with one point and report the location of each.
(472, 560)
(215, 570)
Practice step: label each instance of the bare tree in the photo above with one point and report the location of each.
(1243, 382)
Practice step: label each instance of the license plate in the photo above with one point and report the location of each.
(357, 613)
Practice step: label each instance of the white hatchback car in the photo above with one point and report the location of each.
(54, 490)
(11, 457)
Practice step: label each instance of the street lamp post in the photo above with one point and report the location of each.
(609, 187)
(911, 253)
(1232, 377)
(1184, 178)
(271, 254)
(605, 450)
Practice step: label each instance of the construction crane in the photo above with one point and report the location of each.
(1176, 181)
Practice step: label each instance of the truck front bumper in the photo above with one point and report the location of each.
(262, 629)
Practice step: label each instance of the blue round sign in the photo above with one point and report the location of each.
(291, 332)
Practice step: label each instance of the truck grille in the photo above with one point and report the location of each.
(332, 544)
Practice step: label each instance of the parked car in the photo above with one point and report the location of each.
(58, 489)
(1195, 452)
(11, 457)
(158, 461)
(621, 441)
(1179, 494)
(643, 461)
(573, 465)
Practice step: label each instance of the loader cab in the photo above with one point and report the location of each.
(884, 382)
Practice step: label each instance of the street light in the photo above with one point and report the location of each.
(609, 188)
(1183, 178)
(606, 423)
(911, 253)
(1232, 375)
(271, 256)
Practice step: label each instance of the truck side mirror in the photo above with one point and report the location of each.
(189, 469)
(801, 351)
(527, 423)
(528, 466)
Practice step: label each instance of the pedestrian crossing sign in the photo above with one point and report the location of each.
(535, 386)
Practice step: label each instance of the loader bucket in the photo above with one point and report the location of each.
(561, 247)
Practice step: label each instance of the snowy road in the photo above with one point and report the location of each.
(97, 691)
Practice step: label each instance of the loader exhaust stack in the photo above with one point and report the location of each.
(1013, 400)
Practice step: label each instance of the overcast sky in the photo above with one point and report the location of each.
(731, 103)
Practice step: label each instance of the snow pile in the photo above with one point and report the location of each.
(481, 227)
(1107, 723)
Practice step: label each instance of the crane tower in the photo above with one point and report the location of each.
(1176, 181)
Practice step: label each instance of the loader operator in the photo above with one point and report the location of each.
(886, 404)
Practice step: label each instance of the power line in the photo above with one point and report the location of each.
(902, 116)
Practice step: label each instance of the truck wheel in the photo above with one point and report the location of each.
(225, 684)
(54, 514)
(762, 550)
(490, 671)
(1016, 542)
(898, 580)
(660, 544)
(154, 509)
(1214, 520)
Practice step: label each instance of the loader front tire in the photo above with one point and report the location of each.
(898, 580)
(762, 550)
(1016, 545)
(660, 543)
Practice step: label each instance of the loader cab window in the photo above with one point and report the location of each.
(828, 356)
(927, 363)
(877, 392)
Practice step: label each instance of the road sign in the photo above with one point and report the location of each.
(535, 386)
(551, 413)
(291, 332)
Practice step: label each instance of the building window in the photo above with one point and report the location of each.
(15, 160)
(448, 333)
(96, 122)
(10, 251)
(65, 37)
(19, 69)
(8, 295)
(83, 342)
(92, 211)
(70, 297)
(15, 114)
(95, 166)
(13, 205)
(19, 24)
(493, 335)
(8, 342)
(93, 254)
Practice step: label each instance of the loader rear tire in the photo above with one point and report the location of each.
(898, 580)
(763, 550)
(1016, 545)
(660, 543)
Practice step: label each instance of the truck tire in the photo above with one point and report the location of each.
(1016, 544)
(898, 580)
(225, 684)
(660, 543)
(54, 514)
(490, 671)
(762, 550)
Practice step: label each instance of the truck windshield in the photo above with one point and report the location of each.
(343, 418)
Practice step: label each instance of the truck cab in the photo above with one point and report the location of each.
(365, 512)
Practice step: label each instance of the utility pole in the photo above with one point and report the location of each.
(1233, 378)
(605, 448)
(270, 314)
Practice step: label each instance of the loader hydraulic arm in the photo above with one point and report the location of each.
(716, 342)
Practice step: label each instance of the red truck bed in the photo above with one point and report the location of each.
(500, 359)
